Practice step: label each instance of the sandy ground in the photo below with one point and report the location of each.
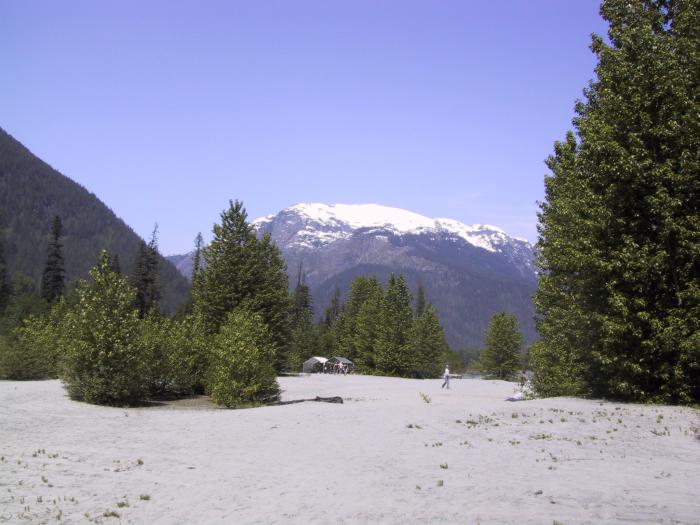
(384, 456)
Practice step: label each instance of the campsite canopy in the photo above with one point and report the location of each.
(345, 365)
(312, 363)
(338, 359)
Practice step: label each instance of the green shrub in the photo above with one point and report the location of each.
(188, 354)
(103, 361)
(242, 367)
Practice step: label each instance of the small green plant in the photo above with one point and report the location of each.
(443, 466)
(145, 497)
(122, 504)
(111, 514)
(440, 483)
(139, 461)
(425, 397)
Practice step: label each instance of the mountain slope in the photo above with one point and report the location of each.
(32, 193)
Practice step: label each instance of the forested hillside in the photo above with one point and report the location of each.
(32, 193)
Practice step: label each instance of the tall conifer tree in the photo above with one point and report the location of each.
(619, 294)
(244, 271)
(145, 275)
(197, 259)
(52, 280)
(393, 355)
(368, 325)
(427, 344)
(304, 341)
(501, 357)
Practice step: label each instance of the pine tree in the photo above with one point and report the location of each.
(145, 275)
(501, 357)
(243, 271)
(304, 337)
(333, 310)
(242, 368)
(368, 326)
(197, 259)
(52, 280)
(348, 322)
(393, 355)
(115, 264)
(103, 362)
(619, 299)
(427, 344)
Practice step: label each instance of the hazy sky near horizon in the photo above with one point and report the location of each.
(166, 110)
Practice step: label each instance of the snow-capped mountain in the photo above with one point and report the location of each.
(325, 223)
(315, 226)
(469, 271)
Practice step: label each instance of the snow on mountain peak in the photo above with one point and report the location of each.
(340, 220)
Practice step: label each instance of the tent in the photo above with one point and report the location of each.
(313, 364)
(334, 362)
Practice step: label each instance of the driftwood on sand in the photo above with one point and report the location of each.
(333, 399)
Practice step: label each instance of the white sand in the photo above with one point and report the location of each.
(569, 460)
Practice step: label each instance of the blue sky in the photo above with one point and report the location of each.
(165, 110)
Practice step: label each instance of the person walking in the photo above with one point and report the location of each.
(447, 378)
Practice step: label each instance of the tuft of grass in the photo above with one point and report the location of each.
(111, 514)
(443, 466)
(425, 397)
(145, 497)
(122, 504)
(440, 483)
(139, 461)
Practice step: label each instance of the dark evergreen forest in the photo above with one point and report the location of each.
(32, 193)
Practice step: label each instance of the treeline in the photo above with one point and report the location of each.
(379, 328)
(110, 344)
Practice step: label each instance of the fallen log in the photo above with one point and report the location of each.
(334, 399)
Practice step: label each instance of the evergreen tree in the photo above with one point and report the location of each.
(103, 361)
(393, 354)
(333, 310)
(52, 280)
(501, 357)
(242, 368)
(197, 259)
(347, 328)
(427, 343)
(242, 270)
(115, 265)
(145, 276)
(304, 340)
(618, 299)
(368, 326)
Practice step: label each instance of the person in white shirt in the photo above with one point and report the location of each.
(447, 378)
